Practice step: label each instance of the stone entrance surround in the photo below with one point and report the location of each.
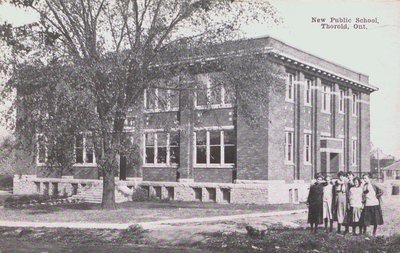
(240, 192)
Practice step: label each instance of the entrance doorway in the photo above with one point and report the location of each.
(122, 167)
(334, 162)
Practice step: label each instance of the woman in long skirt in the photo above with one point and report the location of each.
(356, 205)
(372, 213)
(314, 202)
(340, 206)
(327, 203)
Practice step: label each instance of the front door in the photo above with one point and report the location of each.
(334, 162)
(122, 167)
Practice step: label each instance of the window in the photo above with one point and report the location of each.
(213, 94)
(84, 149)
(289, 146)
(355, 104)
(308, 92)
(161, 148)
(326, 98)
(341, 100)
(130, 122)
(161, 99)
(307, 148)
(215, 147)
(354, 152)
(290, 87)
(389, 173)
(41, 154)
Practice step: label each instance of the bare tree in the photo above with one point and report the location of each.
(113, 50)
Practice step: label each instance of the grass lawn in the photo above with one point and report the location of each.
(133, 211)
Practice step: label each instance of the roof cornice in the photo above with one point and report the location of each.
(311, 67)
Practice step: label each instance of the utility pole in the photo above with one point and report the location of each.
(379, 166)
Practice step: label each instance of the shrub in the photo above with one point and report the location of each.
(6, 182)
(140, 194)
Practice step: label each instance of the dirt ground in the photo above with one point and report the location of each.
(197, 237)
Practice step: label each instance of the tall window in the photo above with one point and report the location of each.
(41, 149)
(355, 104)
(84, 149)
(326, 98)
(161, 148)
(290, 87)
(307, 148)
(210, 93)
(215, 147)
(341, 100)
(308, 92)
(161, 99)
(354, 152)
(289, 137)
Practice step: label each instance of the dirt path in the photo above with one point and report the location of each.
(179, 234)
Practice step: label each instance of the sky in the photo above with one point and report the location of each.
(374, 51)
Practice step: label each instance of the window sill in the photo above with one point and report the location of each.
(40, 164)
(289, 101)
(325, 112)
(342, 113)
(308, 105)
(175, 109)
(85, 165)
(289, 163)
(213, 166)
(307, 164)
(207, 107)
(155, 165)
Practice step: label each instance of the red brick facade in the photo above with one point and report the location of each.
(337, 139)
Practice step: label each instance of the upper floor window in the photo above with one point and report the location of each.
(215, 147)
(290, 87)
(289, 147)
(84, 149)
(355, 104)
(307, 148)
(41, 149)
(161, 148)
(210, 93)
(341, 100)
(326, 98)
(308, 92)
(161, 99)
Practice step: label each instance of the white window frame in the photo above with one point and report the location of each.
(208, 153)
(354, 151)
(156, 105)
(326, 99)
(290, 82)
(342, 95)
(168, 146)
(308, 148)
(85, 163)
(308, 88)
(289, 147)
(355, 104)
(38, 163)
(223, 104)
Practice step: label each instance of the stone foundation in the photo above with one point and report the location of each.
(240, 192)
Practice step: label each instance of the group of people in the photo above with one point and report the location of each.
(348, 200)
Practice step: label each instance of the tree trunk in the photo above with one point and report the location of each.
(108, 201)
(109, 171)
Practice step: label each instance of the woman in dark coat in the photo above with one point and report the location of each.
(315, 203)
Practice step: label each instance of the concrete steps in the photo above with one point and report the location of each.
(94, 194)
